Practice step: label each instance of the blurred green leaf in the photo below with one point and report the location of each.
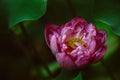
(108, 11)
(21, 10)
(53, 66)
(78, 77)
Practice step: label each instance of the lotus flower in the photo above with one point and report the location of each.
(76, 44)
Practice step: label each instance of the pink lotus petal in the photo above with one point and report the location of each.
(53, 44)
(65, 61)
(98, 55)
(102, 35)
(49, 30)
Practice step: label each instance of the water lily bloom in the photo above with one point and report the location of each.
(76, 43)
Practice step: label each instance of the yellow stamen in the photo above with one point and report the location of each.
(72, 41)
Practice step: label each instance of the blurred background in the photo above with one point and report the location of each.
(24, 54)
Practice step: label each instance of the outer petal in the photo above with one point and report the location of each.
(53, 44)
(92, 46)
(49, 31)
(82, 61)
(89, 38)
(89, 33)
(91, 30)
(76, 21)
(65, 61)
(101, 36)
(72, 27)
(98, 55)
(51, 38)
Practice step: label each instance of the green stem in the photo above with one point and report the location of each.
(18, 42)
(25, 51)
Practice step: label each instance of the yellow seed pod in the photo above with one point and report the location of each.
(72, 41)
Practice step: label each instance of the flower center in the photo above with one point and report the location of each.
(72, 41)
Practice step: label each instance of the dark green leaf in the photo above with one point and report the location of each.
(108, 11)
(20, 10)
